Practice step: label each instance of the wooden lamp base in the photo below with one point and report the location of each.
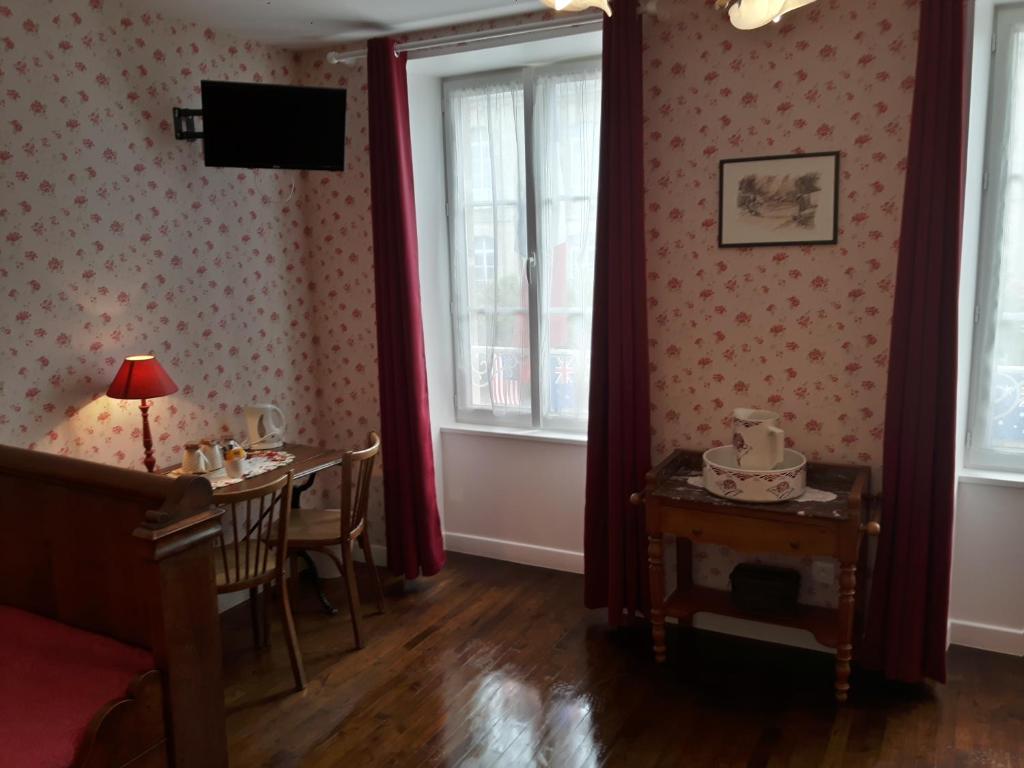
(147, 438)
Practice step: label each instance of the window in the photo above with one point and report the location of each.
(995, 438)
(522, 160)
(483, 259)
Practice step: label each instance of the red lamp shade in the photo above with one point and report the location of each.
(141, 377)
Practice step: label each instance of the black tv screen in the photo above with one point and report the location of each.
(252, 125)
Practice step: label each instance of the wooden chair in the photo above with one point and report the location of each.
(252, 551)
(323, 529)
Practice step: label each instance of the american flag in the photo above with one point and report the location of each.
(505, 379)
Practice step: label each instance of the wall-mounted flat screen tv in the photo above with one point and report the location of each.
(253, 125)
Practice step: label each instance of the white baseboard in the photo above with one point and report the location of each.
(987, 637)
(515, 552)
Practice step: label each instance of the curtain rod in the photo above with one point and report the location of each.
(578, 23)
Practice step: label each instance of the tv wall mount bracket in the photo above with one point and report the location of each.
(185, 124)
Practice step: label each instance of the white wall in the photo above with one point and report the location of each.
(426, 120)
(986, 607)
(515, 498)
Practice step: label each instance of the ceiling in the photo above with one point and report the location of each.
(314, 23)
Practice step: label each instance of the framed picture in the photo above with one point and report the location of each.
(781, 200)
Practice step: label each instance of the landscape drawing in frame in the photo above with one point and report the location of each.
(780, 200)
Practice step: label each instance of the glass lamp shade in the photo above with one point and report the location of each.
(792, 5)
(751, 14)
(141, 377)
(578, 5)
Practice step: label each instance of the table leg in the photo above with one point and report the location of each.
(298, 490)
(844, 646)
(313, 575)
(656, 575)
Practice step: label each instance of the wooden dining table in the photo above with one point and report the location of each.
(309, 460)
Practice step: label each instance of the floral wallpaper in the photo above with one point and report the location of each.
(339, 232)
(805, 330)
(116, 240)
(800, 330)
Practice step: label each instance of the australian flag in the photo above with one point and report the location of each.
(563, 382)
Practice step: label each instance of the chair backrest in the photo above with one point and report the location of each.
(254, 534)
(356, 471)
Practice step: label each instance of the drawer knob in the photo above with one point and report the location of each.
(794, 545)
(697, 532)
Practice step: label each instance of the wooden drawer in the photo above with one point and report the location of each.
(753, 534)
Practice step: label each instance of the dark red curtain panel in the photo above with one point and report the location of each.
(410, 498)
(619, 439)
(906, 630)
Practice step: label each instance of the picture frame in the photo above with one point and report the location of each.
(779, 200)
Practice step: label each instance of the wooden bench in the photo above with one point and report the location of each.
(126, 555)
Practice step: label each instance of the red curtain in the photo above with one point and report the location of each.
(906, 630)
(619, 439)
(413, 526)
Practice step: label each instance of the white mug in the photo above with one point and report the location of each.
(214, 454)
(193, 461)
(757, 438)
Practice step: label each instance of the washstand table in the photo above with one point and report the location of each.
(801, 528)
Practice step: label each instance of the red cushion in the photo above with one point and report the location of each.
(53, 680)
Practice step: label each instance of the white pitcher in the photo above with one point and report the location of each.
(757, 438)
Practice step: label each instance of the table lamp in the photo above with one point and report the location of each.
(141, 377)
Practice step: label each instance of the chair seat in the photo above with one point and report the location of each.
(314, 528)
(238, 574)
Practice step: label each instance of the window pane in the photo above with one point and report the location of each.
(567, 118)
(1002, 410)
(487, 178)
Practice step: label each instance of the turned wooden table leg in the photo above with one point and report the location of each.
(844, 646)
(656, 574)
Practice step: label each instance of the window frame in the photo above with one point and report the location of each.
(535, 419)
(978, 453)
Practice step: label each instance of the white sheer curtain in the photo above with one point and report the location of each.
(522, 336)
(997, 425)
(487, 206)
(567, 130)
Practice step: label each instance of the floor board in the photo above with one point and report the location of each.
(492, 664)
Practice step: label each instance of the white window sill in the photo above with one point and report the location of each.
(535, 435)
(991, 477)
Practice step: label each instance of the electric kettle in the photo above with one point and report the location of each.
(265, 424)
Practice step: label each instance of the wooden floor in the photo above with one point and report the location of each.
(494, 664)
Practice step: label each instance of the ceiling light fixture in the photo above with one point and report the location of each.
(751, 14)
(578, 5)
